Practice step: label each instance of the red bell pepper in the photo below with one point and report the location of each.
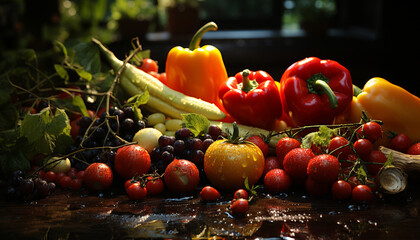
(314, 91)
(252, 98)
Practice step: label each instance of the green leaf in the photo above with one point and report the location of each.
(197, 123)
(361, 173)
(80, 104)
(62, 48)
(388, 161)
(136, 101)
(87, 55)
(43, 129)
(83, 74)
(62, 72)
(12, 161)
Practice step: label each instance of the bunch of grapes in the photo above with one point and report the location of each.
(183, 146)
(94, 133)
(20, 187)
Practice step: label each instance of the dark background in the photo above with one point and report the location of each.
(375, 38)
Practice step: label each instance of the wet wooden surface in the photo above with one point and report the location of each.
(68, 215)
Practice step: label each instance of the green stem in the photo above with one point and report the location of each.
(356, 90)
(322, 86)
(196, 39)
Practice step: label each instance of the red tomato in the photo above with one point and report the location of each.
(72, 172)
(317, 188)
(284, 146)
(375, 157)
(58, 176)
(400, 143)
(74, 132)
(276, 181)
(65, 182)
(181, 176)
(162, 78)
(341, 190)
(239, 206)
(295, 163)
(98, 177)
(372, 131)
(128, 183)
(363, 147)
(338, 142)
(354, 181)
(349, 161)
(131, 161)
(136, 192)
(240, 193)
(209, 193)
(271, 162)
(362, 193)
(259, 141)
(414, 149)
(80, 174)
(76, 184)
(149, 65)
(50, 176)
(323, 168)
(154, 186)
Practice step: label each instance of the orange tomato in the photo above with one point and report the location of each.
(227, 165)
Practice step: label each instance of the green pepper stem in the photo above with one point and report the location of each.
(322, 86)
(356, 90)
(247, 84)
(196, 39)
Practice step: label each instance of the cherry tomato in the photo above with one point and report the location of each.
(149, 65)
(354, 181)
(72, 172)
(271, 162)
(240, 193)
(239, 206)
(58, 176)
(348, 162)
(284, 146)
(222, 157)
(372, 131)
(181, 176)
(76, 184)
(341, 190)
(323, 168)
(80, 174)
(132, 160)
(98, 177)
(414, 149)
(375, 157)
(128, 183)
(315, 188)
(363, 147)
(338, 142)
(162, 78)
(154, 186)
(259, 141)
(209, 193)
(276, 181)
(65, 182)
(50, 176)
(400, 143)
(362, 193)
(136, 192)
(295, 163)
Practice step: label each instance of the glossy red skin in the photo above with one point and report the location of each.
(65, 182)
(240, 193)
(296, 162)
(149, 65)
(131, 161)
(341, 190)
(284, 146)
(154, 187)
(372, 131)
(98, 177)
(375, 156)
(276, 181)
(76, 184)
(362, 193)
(136, 192)
(259, 141)
(271, 162)
(337, 142)
(323, 168)
(181, 176)
(400, 143)
(260, 107)
(309, 108)
(363, 147)
(414, 149)
(240, 206)
(209, 193)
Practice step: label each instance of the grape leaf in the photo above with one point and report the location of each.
(44, 128)
(197, 123)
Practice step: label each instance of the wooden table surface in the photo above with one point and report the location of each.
(74, 215)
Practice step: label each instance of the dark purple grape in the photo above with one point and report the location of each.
(168, 148)
(197, 157)
(84, 122)
(17, 177)
(171, 140)
(196, 144)
(179, 146)
(118, 112)
(214, 131)
(206, 144)
(205, 136)
(139, 125)
(167, 157)
(42, 188)
(183, 133)
(156, 154)
(163, 141)
(51, 187)
(128, 112)
(98, 133)
(128, 137)
(128, 125)
(26, 186)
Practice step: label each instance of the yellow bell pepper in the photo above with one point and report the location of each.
(197, 71)
(398, 109)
